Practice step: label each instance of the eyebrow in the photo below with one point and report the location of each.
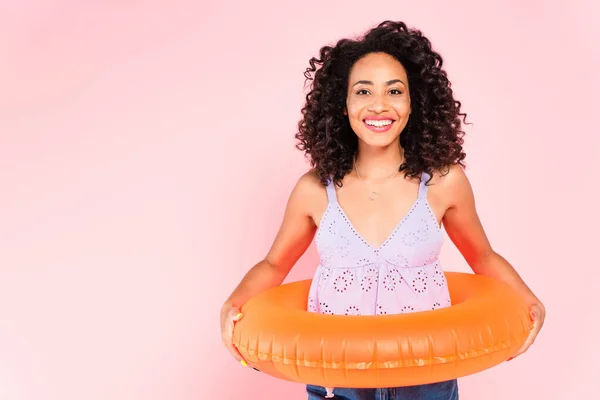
(391, 82)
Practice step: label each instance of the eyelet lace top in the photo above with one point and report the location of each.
(401, 275)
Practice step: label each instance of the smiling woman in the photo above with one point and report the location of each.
(383, 133)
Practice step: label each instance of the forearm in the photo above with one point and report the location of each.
(260, 277)
(495, 266)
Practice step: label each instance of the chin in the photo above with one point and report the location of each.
(381, 141)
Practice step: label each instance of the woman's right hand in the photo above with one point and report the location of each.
(229, 316)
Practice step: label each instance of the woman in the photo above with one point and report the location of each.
(383, 134)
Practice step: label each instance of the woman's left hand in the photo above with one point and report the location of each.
(538, 314)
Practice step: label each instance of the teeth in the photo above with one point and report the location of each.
(378, 123)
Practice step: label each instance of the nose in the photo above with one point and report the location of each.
(378, 105)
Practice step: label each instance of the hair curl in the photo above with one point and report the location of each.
(432, 139)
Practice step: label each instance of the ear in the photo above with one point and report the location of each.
(345, 111)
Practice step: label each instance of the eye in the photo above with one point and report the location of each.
(361, 90)
(396, 90)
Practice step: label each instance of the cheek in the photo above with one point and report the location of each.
(402, 107)
(354, 108)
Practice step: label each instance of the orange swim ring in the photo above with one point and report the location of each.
(486, 324)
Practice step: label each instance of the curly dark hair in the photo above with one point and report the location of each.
(432, 139)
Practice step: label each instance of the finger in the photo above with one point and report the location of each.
(232, 348)
(529, 341)
(237, 317)
(535, 318)
(524, 347)
(239, 357)
(535, 328)
(229, 346)
(235, 353)
(227, 339)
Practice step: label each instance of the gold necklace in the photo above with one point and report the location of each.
(373, 195)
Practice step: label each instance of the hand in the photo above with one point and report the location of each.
(229, 316)
(537, 314)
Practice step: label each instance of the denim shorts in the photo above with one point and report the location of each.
(447, 390)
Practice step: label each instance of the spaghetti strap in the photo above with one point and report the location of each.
(422, 186)
(331, 195)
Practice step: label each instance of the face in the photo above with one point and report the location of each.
(378, 102)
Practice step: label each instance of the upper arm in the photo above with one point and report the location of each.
(461, 220)
(297, 228)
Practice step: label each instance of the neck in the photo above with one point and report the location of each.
(378, 164)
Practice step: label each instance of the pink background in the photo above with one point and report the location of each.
(146, 154)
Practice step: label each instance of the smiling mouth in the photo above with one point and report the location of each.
(378, 125)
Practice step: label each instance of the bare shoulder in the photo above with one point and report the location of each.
(308, 186)
(309, 183)
(309, 194)
(450, 186)
(450, 176)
